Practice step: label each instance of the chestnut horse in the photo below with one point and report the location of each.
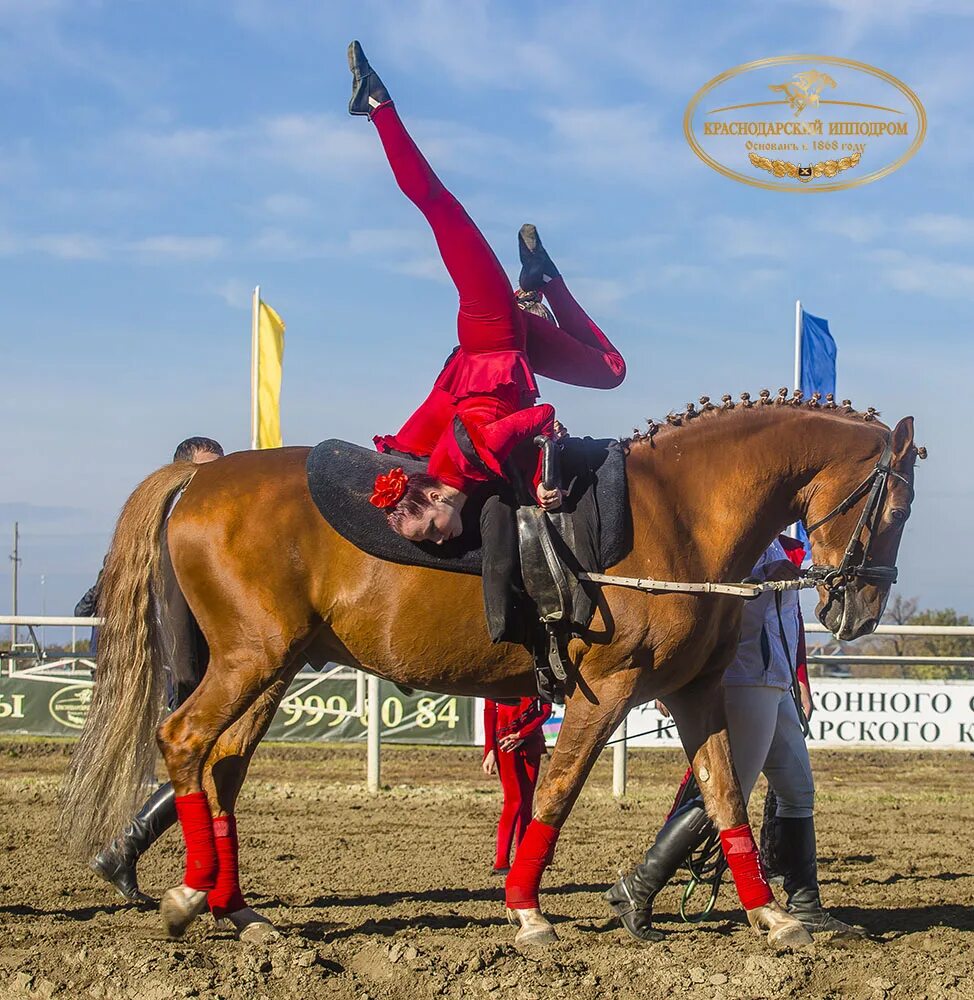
(272, 586)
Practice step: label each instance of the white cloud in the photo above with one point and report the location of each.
(473, 44)
(856, 228)
(940, 229)
(603, 294)
(179, 247)
(402, 251)
(286, 205)
(63, 246)
(613, 143)
(744, 236)
(237, 294)
(38, 41)
(943, 229)
(280, 243)
(304, 143)
(693, 276)
(429, 268)
(177, 147)
(924, 275)
(859, 19)
(87, 246)
(317, 144)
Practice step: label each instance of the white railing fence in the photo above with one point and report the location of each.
(367, 685)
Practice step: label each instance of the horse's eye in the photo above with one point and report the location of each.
(897, 514)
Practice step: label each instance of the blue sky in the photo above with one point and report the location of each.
(158, 160)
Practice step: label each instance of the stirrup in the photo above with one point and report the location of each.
(550, 690)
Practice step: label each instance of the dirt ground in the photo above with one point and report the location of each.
(391, 897)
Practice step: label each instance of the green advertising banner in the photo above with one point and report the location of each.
(315, 708)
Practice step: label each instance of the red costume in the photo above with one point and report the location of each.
(518, 768)
(488, 382)
(795, 550)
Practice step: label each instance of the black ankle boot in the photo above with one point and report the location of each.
(116, 863)
(536, 265)
(798, 863)
(770, 838)
(368, 91)
(631, 898)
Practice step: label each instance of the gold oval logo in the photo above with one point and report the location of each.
(805, 123)
(69, 705)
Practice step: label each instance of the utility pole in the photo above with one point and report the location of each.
(16, 560)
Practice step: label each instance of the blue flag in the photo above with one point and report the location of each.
(818, 356)
(817, 375)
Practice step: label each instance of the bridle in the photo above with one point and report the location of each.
(874, 488)
(834, 579)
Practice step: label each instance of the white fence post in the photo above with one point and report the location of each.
(360, 696)
(620, 762)
(375, 722)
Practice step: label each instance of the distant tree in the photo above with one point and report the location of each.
(81, 648)
(905, 611)
(899, 611)
(940, 645)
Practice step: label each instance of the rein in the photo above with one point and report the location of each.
(832, 578)
(748, 591)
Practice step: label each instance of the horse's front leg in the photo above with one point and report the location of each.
(698, 710)
(590, 718)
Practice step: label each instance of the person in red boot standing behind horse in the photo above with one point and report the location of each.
(513, 748)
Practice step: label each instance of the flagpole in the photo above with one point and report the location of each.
(792, 530)
(798, 343)
(254, 418)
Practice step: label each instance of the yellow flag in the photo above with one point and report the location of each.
(267, 363)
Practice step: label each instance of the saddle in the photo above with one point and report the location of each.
(528, 559)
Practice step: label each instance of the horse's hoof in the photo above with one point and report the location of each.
(534, 931)
(251, 926)
(179, 907)
(260, 932)
(784, 931)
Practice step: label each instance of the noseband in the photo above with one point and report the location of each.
(835, 578)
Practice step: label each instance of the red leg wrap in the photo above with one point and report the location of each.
(226, 897)
(197, 824)
(534, 854)
(744, 862)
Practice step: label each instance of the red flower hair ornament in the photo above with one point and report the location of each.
(389, 489)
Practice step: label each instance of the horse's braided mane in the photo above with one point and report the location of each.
(675, 420)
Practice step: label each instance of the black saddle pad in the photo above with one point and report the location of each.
(341, 477)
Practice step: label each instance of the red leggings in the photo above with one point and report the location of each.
(519, 775)
(489, 319)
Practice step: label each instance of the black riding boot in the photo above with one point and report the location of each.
(798, 863)
(536, 265)
(770, 838)
(116, 863)
(368, 91)
(631, 898)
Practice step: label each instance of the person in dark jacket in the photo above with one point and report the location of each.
(117, 862)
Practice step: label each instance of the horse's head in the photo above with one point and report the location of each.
(856, 511)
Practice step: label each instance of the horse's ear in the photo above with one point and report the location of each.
(902, 439)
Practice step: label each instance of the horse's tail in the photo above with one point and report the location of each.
(115, 754)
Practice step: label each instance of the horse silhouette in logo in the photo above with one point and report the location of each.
(805, 90)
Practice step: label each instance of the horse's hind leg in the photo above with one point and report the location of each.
(230, 686)
(223, 778)
(698, 710)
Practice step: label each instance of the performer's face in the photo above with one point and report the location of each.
(438, 523)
